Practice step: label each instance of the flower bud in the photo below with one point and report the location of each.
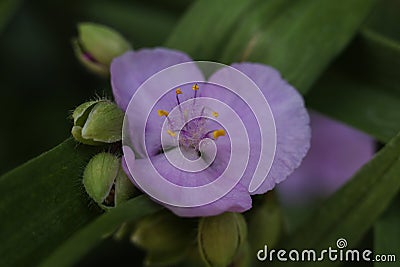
(97, 45)
(97, 122)
(163, 231)
(244, 257)
(106, 182)
(221, 237)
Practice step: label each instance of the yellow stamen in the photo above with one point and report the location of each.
(171, 133)
(162, 112)
(178, 91)
(195, 87)
(215, 114)
(218, 133)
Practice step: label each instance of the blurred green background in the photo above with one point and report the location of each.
(40, 79)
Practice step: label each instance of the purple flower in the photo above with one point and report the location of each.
(337, 152)
(131, 70)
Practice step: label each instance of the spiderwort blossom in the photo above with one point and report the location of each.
(185, 115)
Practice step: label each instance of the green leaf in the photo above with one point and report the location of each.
(352, 210)
(299, 38)
(358, 104)
(198, 32)
(374, 58)
(87, 238)
(42, 203)
(386, 234)
(385, 18)
(362, 89)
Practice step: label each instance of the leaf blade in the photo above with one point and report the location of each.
(386, 235)
(352, 210)
(44, 203)
(87, 238)
(361, 89)
(300, 51)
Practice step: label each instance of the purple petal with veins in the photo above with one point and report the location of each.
(130, 70)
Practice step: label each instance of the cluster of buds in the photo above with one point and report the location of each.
(99, 122)
(229, 239)
(168, 240)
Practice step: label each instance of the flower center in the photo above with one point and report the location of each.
(193, 130)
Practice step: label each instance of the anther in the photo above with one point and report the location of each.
(195, 87)
(162, 112)
(218, 133)
(171, 133)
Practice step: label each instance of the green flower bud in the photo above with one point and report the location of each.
(163, 231)
(97, 45)
(266, 224)
(220, 238)
(165, 237)
(244, 257)
(97, 122)
(193, 257)
(106, 182)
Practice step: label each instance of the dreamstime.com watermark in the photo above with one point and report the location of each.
(330, 254)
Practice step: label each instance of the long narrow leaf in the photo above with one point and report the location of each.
(362, 89)
(299, 38)
(386, 236)
(90, 236)
(42, 203)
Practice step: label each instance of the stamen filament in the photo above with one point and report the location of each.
(162, 112)
(178, 92)
(195, 88)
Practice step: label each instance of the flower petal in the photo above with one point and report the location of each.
(131, 69)
(237, 200)
(337, 152)
(291, 121)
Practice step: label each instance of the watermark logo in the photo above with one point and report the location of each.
(341, 243)
(340, 253)
(192, 98)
